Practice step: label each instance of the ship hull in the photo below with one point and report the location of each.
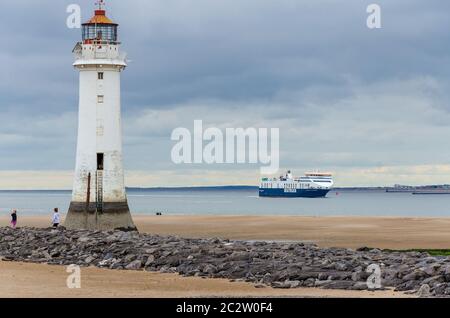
(299, 193)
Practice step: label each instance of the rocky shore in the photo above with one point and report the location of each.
(280, 265)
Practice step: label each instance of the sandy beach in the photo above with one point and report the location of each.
(28, 280)
(20, 280)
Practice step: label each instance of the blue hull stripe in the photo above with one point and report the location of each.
(300, 193)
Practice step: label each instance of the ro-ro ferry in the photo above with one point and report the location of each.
(311, 185)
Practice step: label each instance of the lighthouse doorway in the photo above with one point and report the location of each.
(100, 160)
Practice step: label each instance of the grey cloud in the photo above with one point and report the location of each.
(344, 95)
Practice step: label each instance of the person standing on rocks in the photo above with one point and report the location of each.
(56, 218)
(14, 219)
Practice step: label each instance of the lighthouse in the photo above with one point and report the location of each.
(99, 200)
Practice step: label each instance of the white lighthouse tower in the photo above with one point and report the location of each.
(99, 200)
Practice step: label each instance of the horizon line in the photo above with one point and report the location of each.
(223, 187)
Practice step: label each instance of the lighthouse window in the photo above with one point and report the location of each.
(100, 75)
(100, 99)
(99, 32)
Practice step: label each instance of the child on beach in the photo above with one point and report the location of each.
(56, 218)
(14, 219)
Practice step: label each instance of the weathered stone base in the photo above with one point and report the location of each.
(115, 215)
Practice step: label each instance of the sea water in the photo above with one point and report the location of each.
(242, 202)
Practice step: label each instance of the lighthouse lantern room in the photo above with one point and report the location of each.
(99, 200)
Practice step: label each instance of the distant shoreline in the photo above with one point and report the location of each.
(198, 188)
(218, 188)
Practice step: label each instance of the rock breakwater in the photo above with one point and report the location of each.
(275, 264)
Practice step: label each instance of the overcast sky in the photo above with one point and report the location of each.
(371, 106)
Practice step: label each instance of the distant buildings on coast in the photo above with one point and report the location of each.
(429, 189)
(398, 188)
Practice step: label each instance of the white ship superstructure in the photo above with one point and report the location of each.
(313, 184)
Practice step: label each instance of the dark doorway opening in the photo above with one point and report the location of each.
(100, 160)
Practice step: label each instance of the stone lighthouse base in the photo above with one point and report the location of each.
(115, 216)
